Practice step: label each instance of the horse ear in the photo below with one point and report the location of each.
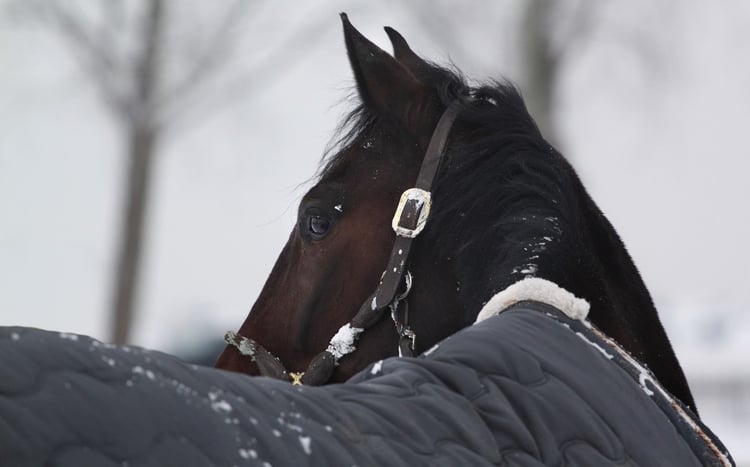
(384, 84)
(403, 53)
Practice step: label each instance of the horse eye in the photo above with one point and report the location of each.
(318, 226)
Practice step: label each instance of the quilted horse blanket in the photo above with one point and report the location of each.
(527, 387)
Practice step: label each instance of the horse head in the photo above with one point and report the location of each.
(506, 206)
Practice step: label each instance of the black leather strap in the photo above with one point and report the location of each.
(436, 148)
(394, 272)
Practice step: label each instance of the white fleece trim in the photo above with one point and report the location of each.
(539, 290)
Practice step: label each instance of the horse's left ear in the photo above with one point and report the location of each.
(385, 85)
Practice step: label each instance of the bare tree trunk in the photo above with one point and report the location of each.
(133, 85)
(541, 65)
(141, 142)
(142, 138)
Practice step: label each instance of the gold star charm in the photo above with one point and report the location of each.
(296, 378)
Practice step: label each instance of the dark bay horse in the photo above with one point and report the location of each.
(505, 206)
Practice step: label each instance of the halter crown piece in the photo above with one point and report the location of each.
(408, 221)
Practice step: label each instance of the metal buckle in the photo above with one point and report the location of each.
(424, 203)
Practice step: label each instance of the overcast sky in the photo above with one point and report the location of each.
(654, 110)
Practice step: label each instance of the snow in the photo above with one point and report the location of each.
(294, 427)
(246, 347)
(248, 453)
(221, 406)
(139, 370)
(376, 367)
(68, 336)
(343, 342)
(305, 441)
(243, 344)
(528, 269)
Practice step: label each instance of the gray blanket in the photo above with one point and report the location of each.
(527, 387)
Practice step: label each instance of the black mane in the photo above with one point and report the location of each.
(511, 190)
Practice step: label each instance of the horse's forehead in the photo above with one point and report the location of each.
(384, 148)
(326, 189)
(366, 177)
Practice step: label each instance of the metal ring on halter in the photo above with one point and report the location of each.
(394, 305)
(402, 328)
(408, 282)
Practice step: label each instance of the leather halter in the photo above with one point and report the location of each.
(408, 221)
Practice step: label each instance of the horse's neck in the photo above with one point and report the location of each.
(518, 209)
(581, 252)
(519, 245)
(621, 304)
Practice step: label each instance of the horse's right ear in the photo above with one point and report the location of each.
(384, 84)
(403, 53)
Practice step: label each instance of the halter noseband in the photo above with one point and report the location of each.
(408, 221)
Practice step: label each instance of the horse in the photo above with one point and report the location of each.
(502, 205)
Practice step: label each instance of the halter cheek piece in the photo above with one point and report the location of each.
(409, 220)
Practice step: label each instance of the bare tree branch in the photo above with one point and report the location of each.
(218, 50)
(246, 83)
(145, 70)
(440, 23)
(94, 55)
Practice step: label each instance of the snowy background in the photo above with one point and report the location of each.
(652, 107)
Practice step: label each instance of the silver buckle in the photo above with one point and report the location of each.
(424, 200)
